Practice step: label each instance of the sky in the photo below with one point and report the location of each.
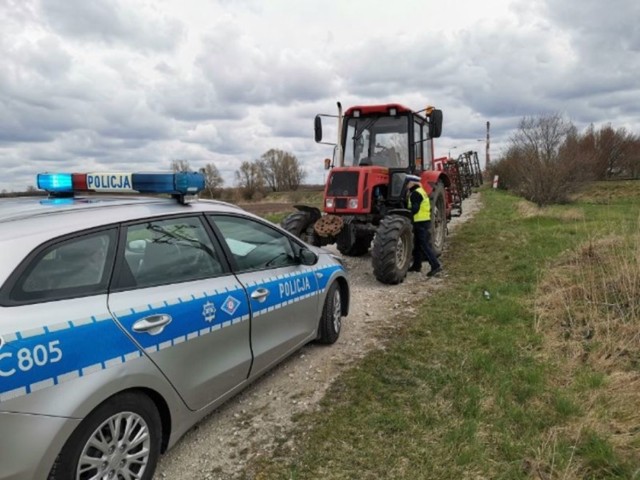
(131, 85)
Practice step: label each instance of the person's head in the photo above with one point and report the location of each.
(412, 181)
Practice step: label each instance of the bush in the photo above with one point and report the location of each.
(543, 162)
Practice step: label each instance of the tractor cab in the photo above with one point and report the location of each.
(378, 146)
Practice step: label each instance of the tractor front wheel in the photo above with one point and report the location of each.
(301, 225)
(392, 249)
(359, 247)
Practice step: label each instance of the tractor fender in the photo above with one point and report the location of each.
(403, 212)
(429, 178)
(313, 211)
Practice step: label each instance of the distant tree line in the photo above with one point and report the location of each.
(548, 159)
(276, 171)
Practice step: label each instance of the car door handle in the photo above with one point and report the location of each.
(153, 324)
(260, 294)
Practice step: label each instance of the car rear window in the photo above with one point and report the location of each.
(73, 267)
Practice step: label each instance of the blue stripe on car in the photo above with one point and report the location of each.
(114, 348)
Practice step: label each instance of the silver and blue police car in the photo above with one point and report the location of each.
(126, 319)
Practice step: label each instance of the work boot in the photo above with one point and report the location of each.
(434, 271)
(415, 268)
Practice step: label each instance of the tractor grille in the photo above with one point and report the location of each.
(343, 184)
(341, 203)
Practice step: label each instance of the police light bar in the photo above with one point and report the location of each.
(65, 184)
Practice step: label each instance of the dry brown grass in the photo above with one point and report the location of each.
(589, 304)
(530, 210)
(588, 312)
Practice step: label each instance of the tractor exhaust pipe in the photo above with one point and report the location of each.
(339, 143)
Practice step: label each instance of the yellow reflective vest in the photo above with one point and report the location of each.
(424, 214)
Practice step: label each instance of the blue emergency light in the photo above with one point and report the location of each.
(176, 184)
(55, 182)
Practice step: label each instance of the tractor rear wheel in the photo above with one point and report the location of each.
(438, 218)
(392, 249)
(301, 225)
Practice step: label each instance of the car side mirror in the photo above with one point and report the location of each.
(307, 257)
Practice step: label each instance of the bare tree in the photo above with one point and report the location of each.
(539, 164)
(281, 170)
(249, 179)
(631, 163)
(213, 181)
(180, 166)
(269, 169)
(613, 147)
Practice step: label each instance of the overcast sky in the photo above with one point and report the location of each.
(130, 85)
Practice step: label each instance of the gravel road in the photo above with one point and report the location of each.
(251, 424)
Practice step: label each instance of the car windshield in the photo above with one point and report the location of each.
(376, 140)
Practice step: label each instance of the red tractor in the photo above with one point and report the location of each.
(364, 197)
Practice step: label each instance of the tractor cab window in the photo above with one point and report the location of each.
(422, 145)
(418, 145)
(382, 141)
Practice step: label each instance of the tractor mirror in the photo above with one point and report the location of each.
(318, 128)
(327, 163)
(435, 123)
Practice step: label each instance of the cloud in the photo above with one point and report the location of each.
(136, 84)
(113, 22)
(193, 99)
(244, 72)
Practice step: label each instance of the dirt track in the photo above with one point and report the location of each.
(253, 423)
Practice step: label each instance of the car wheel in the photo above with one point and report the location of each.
(119, 440)
(331, 319)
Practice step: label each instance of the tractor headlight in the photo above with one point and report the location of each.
(329, 203)
(353, 203)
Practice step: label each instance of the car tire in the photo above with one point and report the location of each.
(141, 421)
(331, 319)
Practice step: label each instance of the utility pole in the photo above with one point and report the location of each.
(488, 159)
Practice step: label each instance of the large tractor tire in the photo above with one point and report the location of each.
(392, 249)
(359, 247)
(301, 225)
(438, 218)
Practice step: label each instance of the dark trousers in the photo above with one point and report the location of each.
(422, 248)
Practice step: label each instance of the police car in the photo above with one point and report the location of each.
(126, 319)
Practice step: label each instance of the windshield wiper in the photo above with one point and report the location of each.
(365, 126)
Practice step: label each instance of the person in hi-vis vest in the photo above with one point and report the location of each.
(418, 203)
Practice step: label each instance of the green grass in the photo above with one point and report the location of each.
(464, 390)
(276, 217)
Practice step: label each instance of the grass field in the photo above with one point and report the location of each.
(541, 380)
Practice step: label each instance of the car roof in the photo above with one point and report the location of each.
(94, 210)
